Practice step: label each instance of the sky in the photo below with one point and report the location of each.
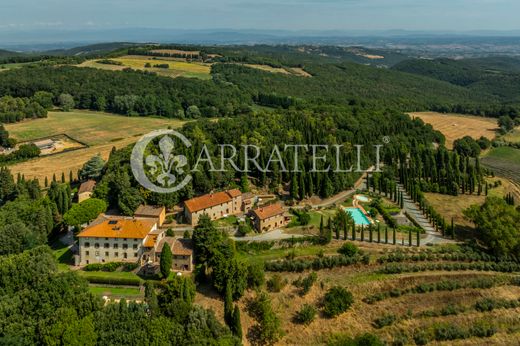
(431, 15)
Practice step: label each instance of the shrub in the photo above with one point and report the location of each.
(255, 275)
(336, 301)
(306, 315)
(306, 283)
(385, 320)
(348, 249)
(276, 283)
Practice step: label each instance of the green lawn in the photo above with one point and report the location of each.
(63, 255)
(116, 291)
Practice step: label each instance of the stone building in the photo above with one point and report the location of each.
(269, 217)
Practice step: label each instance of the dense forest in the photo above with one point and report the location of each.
(499, 76)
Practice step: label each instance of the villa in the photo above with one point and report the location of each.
(216, 205)
(269, 217)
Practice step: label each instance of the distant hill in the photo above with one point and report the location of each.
(7, 53)
(92, 49)
(499, 76)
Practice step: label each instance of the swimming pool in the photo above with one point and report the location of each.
(358, 216)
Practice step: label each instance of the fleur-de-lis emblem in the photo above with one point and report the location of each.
(165, 162)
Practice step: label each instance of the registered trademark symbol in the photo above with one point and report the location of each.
(386, 139)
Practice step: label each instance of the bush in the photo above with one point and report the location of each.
(306, 315)
(306, 283)
(336, 301)
(276, 283)
(385, 320)
(255, 275)
(348, 249)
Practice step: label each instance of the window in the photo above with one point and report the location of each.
(97, 253)
(135, 246)
(135, 254)
(96, 245)
(116, 254)
(106, 253)
(116, 246)
(125, 255)
(124, 239)
(87, 253)
(125, 246)
(87, 244)
(106, 245)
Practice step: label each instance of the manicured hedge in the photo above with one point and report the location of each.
(114, 281)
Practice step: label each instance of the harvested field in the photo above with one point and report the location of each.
(455, 126)
(100, 131)
(176, 68)
(513, 136)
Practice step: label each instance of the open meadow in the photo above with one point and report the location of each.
(100, 131)
(176, 68)
(455, 126)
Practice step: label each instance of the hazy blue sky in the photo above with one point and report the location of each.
(264, 14)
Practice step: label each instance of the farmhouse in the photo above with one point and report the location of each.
(151, 211)
(182, 253)
(269, 217)
(85, 190)
(215, 205)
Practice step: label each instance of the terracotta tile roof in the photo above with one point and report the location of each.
(182, 247)
(234, 193)
(169, 240)
(269, 211)
(87, 186)
(150, 239)
(121, 228)
(149, 210)
(210, 200)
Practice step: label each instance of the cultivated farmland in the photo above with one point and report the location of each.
(100, 131)
(455, 126)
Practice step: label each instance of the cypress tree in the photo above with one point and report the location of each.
(418, 238)
(322, 233)
(379, 233)
(386, 234)
(46, 182)
(165, 263)
(410, 237)
(353, 231)
(452, 229)
(62, 177)
(345, 231)
(362, 233)
(394, 235)
(236, 327)
(370, 233)
(228, 305)
(301, 186)
(71, 178)
(54, 177)
(337, 232)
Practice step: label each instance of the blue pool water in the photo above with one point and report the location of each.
(358, 216)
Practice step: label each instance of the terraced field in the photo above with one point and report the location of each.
(406, 296)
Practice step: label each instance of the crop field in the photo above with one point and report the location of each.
(100, 131)
(505, 162)
(513, 136)
(431, 290)
(176, 68)
(455, 126)
(296, 71)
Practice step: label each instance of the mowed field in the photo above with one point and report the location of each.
(100, 131)
(177, 68)
(455, 126)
